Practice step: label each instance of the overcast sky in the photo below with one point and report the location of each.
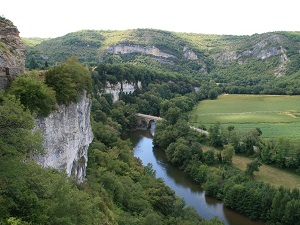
(38, 18)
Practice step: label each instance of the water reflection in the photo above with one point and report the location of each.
(181, 183)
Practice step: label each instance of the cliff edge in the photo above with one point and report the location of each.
(67, 134)
(12, 52)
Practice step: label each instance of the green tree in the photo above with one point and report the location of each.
(215, 136)
(16, 125)
(34, 94)
(173, 114)
(200, 177)
(43, 196)
(69, 80)
(252, 167)
(33, 64)
(209, 157)
(251, 139)
(227, 154)
(213, 94)
(149, 170)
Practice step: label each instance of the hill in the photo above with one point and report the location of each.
(266, 63)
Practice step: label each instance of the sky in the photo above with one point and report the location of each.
(50, 19)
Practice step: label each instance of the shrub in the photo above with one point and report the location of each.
(69, 80)
(34, 94)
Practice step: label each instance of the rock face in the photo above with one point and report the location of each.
(67, 134)
(125, 87)
(149, 50)
(269, 47)
(259, 50)
(12, 53)
(189, 54)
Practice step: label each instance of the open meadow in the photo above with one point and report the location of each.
(276, 116)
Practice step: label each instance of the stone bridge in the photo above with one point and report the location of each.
(146, 119)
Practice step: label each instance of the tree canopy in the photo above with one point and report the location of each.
(69, 80)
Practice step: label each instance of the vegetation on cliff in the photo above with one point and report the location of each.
(69, 80)
(59, 85)
(5, 20)
(34, 94)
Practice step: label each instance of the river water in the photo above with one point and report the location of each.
(181, 183)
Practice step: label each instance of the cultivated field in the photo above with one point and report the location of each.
(276, 116)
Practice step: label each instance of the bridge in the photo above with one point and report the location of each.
(147, 118)
(200, 130)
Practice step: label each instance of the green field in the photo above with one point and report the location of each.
(276, 116)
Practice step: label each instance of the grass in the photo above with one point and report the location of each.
(276, 116)
(267, 174)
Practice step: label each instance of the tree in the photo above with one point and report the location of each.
(251, 139)
(179, 152)
(227, 154)
(213, 94)
(173, 114)
(253, 166)
(33, 64)
(36, 195)
(46, 64)
(209, 157)
(201, 175)
(149, 170)
(215, 137)
(69, 80)
(34, 94)
(16, 125)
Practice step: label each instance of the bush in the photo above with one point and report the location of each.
(34, 94)
(69, 80)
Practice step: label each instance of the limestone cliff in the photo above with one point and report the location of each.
(125, 87)
(189, 54)
(12, 52)
(149, 50)
(266, 48)
(67, 134)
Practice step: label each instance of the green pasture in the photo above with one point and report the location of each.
(276, 116)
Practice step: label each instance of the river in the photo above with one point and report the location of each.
(181, 182)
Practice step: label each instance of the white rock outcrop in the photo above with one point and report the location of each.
(127, 49)
(189, 54)
(67, 134)
(126, 87)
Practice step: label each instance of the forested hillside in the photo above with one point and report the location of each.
(266, 63)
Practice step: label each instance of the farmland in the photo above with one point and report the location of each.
(276, 116)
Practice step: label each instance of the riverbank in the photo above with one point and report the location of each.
(182, 183)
